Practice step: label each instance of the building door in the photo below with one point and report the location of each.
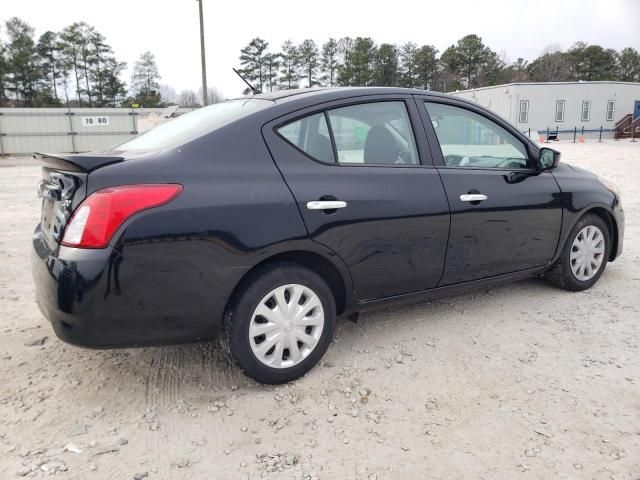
(636, 109)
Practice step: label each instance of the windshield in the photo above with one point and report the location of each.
(194, 124)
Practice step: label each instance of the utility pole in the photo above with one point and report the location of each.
(205, 100)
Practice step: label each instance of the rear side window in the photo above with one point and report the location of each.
(377, 133)
(194, 124)
(311, 135)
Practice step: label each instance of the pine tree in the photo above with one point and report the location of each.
(48, 48)
(252, 61)
(329, 62)
(426, 67)
(628, 68)
(22, 60)
(309, 61)
(289, 74)
(407, 64)
(385, 66)
(145, 81)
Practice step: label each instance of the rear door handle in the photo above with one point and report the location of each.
(473, 197)
(326, 204)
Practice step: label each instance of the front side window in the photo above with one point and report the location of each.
(586, 110)
(560, 110)
(611, 108)
(524, 111)
(311, 135)
(468, 139)
(373, 133)
(370, 133)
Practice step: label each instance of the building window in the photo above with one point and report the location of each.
(611, 109)
(586, 110)
(560, 110)
(524, 111)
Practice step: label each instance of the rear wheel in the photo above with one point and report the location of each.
(280, 323)
(584, 256)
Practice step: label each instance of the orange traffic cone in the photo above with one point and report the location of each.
(541, 139)
(581, 139)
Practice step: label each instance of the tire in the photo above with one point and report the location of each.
(562, 274)
(242, 317)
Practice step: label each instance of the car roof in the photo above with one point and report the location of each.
(336, 92)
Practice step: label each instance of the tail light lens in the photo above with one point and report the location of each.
(99, 216)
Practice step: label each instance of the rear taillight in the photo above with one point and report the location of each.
(101, 213)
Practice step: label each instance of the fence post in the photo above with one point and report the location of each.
(71, 132)
(547, 140)
(575, 132)
(633, 133)
(600, 139)
(1, 143)
(529, 132)
(582, 132)
(133, 121)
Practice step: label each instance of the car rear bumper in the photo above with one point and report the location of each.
(97, 298)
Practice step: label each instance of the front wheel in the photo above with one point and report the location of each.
(280, 323)
(584, 256)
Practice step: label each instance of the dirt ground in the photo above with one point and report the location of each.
(517, 382)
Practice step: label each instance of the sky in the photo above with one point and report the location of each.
(170, 28)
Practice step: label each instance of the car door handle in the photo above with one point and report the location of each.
(326, 204)
(473, 197)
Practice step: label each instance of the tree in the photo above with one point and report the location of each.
(449, 67)
(472, 61)
(591, 62)
(22, 60)
(550, 66)
(518, 71)
(48, 48)
(308, 57)
(4, 70)
(188, 99)
(114, 90)
(329, 62)
(628, 68)
(271, 66)
(145, 81)
(358, 64)
(407, 64)
(213, 95)
(168, 94)
(289, 60)
(101, 55)
(426, 67)
(252, 61)
(386, 66)
(71, 39)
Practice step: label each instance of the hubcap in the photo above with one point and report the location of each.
(286, 326)
(587, 253)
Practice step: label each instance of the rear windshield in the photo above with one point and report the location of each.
(194, 124)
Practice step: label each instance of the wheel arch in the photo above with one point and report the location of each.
(338, 281)
(610, 220)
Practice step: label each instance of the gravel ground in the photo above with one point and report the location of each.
(517, 382)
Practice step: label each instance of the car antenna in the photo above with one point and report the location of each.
(253, 89)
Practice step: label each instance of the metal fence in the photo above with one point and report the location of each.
(27, 130)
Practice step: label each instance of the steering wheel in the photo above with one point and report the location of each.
(509, 163)
(404, 157)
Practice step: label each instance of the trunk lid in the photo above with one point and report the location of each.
(63, 187)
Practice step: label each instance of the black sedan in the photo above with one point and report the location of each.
(261, 219)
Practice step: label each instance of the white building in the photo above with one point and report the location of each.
(561, 105)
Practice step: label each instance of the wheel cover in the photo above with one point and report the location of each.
(286, 326)
(587, 253)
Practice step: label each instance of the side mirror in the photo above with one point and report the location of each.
(548, 158)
